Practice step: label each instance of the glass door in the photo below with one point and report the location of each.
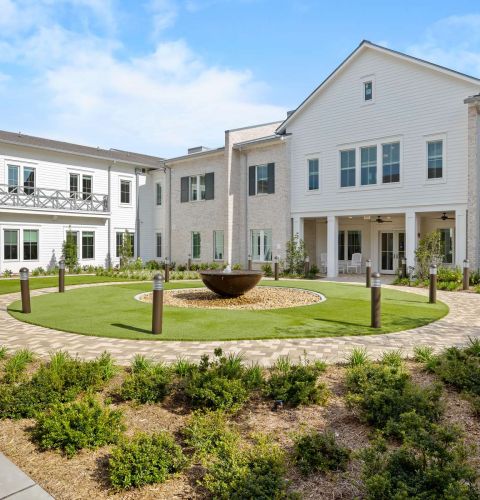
(392, 251)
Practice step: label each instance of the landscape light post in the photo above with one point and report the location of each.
(368, 273)
(189, 262)
(157, 304)
(432, 295)
(466, 274)
(307, 266)
(404, 267)
(376, 301)
(167, 270)
(249, 262)
(61, 276)
(25, 291)
(276, 267)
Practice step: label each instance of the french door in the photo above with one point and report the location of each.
(392, 250)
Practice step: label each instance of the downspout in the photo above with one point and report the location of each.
(109, 220)
(169, 212)
(137, 212)
(247, 243)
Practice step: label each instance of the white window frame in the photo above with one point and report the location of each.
(215, 231)
(433, 138)
(19, 244)
(378, 157)
(261, 165)
(366, 79)
(261, 256)
(130, 183)
(81, 244)
(197, 185)
(191, 245)
(157, 234)
(21, 165)
(38, 243)
(158, 186)
(308, 159)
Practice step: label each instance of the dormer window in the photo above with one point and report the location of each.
(368, 91)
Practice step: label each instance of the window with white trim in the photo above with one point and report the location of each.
(125, 192)
(197, 187)
(391, 162)
(435, 159)
(30, 244)
(368, 91)
(352, 245)
(74, 185)
(196, 245)
(218, 242)
(158, 194)
(158, 245)
(88, 245)
(368, 165)
(447, 244)
(87, 187)
(313, 174)
(28, 180)
(261, 244)
(347, 168)
(10, 244)
(13, 178)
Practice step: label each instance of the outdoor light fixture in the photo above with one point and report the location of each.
(23, 274)
(368, 273)
(432, 293)
(157, 304)
(307, 259)
(376, 303)
(61, 265)
(376, 280)
(61, 276)
(433, 270)
(466, 274)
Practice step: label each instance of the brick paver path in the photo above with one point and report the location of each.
(462, 322)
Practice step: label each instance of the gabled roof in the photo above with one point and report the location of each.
(118, 155)
(364, 45)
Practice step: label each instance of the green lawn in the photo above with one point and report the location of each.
(13, 285)
(113, 312)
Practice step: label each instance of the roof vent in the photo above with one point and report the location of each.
(197, 149)
(290, 113)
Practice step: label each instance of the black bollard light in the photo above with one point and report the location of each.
(466, 274)
(404, 267)
(376, 301)
(368, 273)
(25, 291)
(250, 266)
(157, 304)
(432, 295)
(189, 262)
(61, 276)
(167, 270)
(276, 267)
(307, 266)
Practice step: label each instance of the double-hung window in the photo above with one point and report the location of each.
(158, 245)
(347, 168)
(88, 245)
(352, 245)
(261, 179)
(10, 244)
(13, 178)
(196, 245)
(87, 184)
(197, 187)
(29, 180)
(158, 193)
(391, 162)
(435, 159)
(368, 163)
(313, 174)
(261, 241)
(30, 244)
(118, 243)
(125, 192)
(218, 245)
(74, 185)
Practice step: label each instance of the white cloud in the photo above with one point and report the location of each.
(453, 42)
(164, 14)
(82, 88)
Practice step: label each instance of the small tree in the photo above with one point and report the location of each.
(295, 259)
(126, 249)
(70, 251)
(429, 251)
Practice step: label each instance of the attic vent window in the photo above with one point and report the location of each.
(367, 91)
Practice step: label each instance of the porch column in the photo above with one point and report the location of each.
(298, 227)
(332, 246)
(410, 237)
(460, 236)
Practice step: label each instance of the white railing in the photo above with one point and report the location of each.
(52, 199)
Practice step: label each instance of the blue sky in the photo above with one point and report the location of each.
(158, 76)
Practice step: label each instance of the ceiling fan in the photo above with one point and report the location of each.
(379, 220)
(445, 217)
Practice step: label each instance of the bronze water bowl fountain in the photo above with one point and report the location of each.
(229, 283)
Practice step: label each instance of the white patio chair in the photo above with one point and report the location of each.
(355, 263)
(323, 262)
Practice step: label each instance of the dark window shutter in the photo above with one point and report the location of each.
(251, 180)
(209, 186)
(271, 178)
(184, 189)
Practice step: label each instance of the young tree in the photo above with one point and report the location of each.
(296, 253)
(429, 251)
(126, 249)
(70, 251)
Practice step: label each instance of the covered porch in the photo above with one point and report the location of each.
(341, 244)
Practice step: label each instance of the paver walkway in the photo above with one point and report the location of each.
(462, 322)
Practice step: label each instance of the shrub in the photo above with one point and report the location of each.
(295, 256)
(315, 451)
(7, 273)
(431, 464)
(383, 392)
(145, 460)
(236, 267)
(3, 351)
(207, 432)
(59, 380)
(70, 251)
(38, 271)
(256, 472)
(148, 382)
(152, 265)
(267, 270)
(223, 384)
(357, 357)
(423, 354)
(15, 367)
(475, 278)
(73, 426)
(296, 384)
(428, 251)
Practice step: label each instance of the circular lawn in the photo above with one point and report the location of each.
(112, 311)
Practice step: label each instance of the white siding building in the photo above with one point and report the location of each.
(384, 151)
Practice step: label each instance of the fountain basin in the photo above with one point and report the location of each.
(230, 284)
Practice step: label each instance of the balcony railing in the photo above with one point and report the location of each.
(52, 199)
